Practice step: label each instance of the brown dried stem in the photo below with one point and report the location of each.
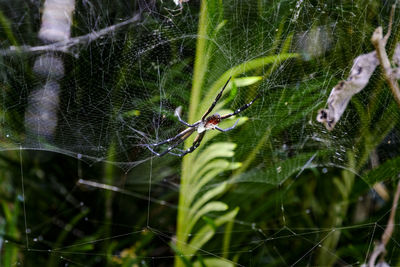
(387, 234)
(390, 225)
(380, 42)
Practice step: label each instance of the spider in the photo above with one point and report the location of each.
(201, 126)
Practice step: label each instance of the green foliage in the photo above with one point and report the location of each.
(278, 180)
(9, 231)
(213, 262)
(206, 162)
(389, 170)
(279, 172)
(61, 238)
(6, 26)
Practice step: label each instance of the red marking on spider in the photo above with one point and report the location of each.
(213, 120)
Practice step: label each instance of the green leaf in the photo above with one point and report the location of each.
(206, 197)
(180, 254)
(232, 93)
(209, 207)
(74, 220)
(132, 113)
(211, 174)
(215, 262)
(207, 232)
(279, 172)
(208, 27)
(220, 26)
(227, 238)
(210, 171)
(218, 164)
(243, 68)
(216, 150)
(340, 186)
(6, 27)
(9, 254)
(246, 81)
(388, 170)
(210, 222)
(201, 261)
(294, 105)
(287, 43)
(239, 82)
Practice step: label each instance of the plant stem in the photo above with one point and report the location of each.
(200, 68)
(380, 42)
(387, 234)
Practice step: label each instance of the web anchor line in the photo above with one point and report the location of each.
(23, 197)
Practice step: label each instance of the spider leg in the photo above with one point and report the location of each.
(171, 147)
(186, 131)
(177, 11)
(215, 100)
(165, 152)
(177, 114)
(195, 145)
(240, 109)
(227, 129)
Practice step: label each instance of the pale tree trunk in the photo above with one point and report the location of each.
(43, 101)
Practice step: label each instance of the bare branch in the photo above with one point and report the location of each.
(378, 187)
(390, 225)
(390, 25)
(65, 46)
(379, 249)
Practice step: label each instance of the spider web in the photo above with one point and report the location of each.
(105, 99)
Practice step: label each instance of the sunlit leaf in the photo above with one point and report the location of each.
(206, 232)
(215, 262)
(209, 207)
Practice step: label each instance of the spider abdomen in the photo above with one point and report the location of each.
(213, 120)
(210, 123)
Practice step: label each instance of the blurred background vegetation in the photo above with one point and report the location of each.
(278, 190)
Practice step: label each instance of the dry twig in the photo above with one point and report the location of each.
(65, 46)
(387, 234)
(380, 42)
